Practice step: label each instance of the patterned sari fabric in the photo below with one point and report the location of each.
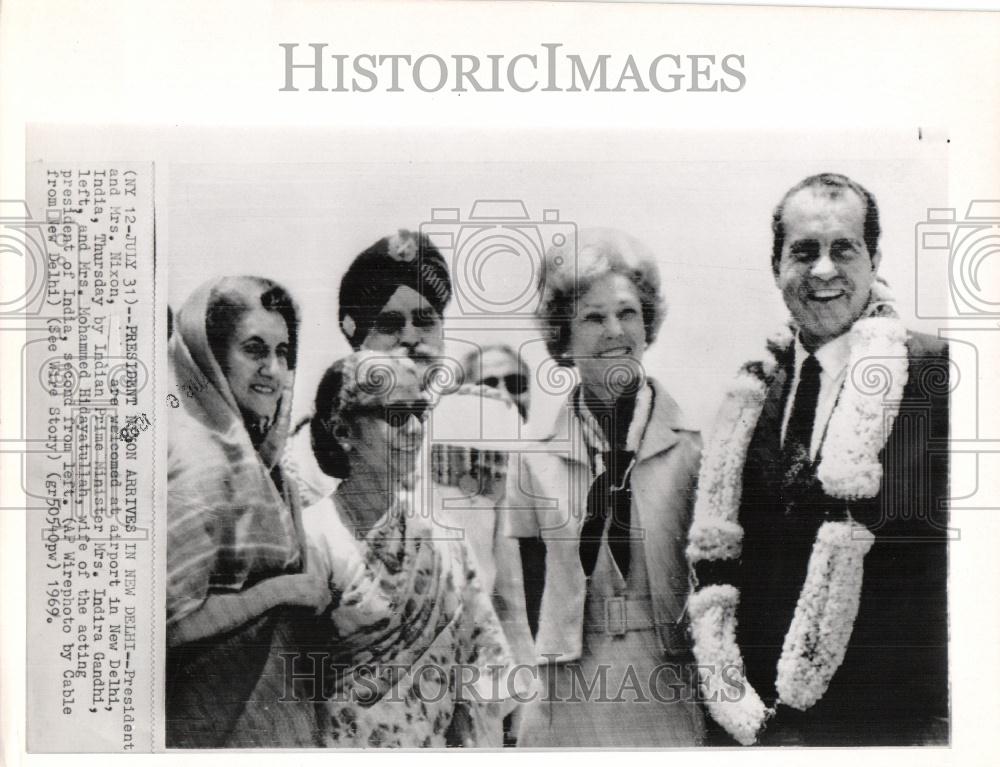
(232, 527)
(413, 654)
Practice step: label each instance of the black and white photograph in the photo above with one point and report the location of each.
(646, 464)
(554, 379)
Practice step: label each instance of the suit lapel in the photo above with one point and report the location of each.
(765, 447)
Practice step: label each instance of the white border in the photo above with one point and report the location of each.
(197, 63)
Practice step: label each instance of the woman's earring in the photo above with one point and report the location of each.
(341, 434)
(348, 326)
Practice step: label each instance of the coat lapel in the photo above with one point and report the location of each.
(570, 449)
(664, 422)
(662, 486)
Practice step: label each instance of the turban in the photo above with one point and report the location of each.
(405, 259)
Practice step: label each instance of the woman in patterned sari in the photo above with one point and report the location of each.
(236, 584)
(412, 654)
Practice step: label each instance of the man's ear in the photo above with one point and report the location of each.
(775, 265)
(876, 260)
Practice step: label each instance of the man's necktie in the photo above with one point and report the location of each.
(798, 434)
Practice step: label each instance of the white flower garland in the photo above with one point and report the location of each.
(824, 616)
(850, 468)
(823, 621)
(733, 703)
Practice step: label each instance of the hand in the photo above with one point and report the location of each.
(300, 590)
(221, 613)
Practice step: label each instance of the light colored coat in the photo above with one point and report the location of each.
(547, 496)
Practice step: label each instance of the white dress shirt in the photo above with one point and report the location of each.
(832, 357)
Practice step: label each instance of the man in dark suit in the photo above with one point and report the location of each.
(892, 685)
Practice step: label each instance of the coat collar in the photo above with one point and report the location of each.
(665, 421)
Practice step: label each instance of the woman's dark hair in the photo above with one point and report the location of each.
(228, 303)
(330, 456)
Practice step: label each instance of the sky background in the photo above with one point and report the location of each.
(702, 203)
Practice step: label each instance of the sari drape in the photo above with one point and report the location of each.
(412, 643)
(232, 528)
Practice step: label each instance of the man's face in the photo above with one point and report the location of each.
(409, 321)
(499, 370)
(826, 272)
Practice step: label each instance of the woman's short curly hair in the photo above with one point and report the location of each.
(348, 386)
(571, 269)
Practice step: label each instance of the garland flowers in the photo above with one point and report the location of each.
(849, 469)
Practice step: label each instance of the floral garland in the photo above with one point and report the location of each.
(849, 469)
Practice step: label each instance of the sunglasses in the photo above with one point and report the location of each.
(515, 383)
(392, 322)
(397, 414)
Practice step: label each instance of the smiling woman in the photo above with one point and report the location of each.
(610, 553)
(236, 590)
(413, 654)
(254, 345)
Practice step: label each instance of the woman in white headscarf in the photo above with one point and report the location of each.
(236, 585)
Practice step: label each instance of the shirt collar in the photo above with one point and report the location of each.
(831, 356)
(666, 422)
(592, 433)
